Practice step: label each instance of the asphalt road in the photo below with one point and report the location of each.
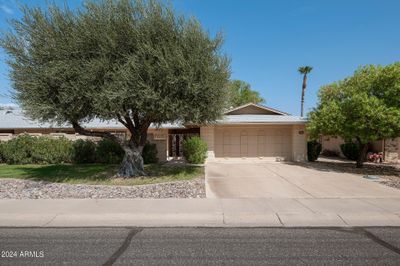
(200, 246)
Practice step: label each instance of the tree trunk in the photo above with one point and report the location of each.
(361, 156)
(303, 89)
(132, 164)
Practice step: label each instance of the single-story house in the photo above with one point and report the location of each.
(247, 131)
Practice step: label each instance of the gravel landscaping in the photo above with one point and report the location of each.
(28, 189)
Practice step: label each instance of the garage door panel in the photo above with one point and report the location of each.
(252, 150)
(253, 142)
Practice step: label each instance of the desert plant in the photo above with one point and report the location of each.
(84, 151)
(350, 150)
(313, 150)
(195, 150)
(149, 153)
(109, 151)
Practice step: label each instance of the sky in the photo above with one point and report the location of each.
(268, 40)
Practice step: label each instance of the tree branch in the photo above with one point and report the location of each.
(129, 123)
(80, 130)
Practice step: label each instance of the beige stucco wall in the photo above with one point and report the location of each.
(6, 136)
(207, 134)
(331, 143)
(299, 143)
(160, 138)
(392, 150)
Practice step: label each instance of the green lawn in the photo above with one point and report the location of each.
(98, 174)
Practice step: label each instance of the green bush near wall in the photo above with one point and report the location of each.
(108, 151)
(84, 151)
(2, 160)
(313, 150)
(51, 150)
(350, 150)
(195, 150)
(26, 149)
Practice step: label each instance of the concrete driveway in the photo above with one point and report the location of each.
(253, 179)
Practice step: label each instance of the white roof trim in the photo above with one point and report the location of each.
(258, 106)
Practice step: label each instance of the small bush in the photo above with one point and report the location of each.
(50, 150)
(2, 160)
(350, 150)
(19, 150)
(149, 153)
(313, 150)
(108, 151)
(195, 150)
(84, 151)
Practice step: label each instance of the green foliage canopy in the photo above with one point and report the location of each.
(364, 107)
(240, 93)
(132, 61)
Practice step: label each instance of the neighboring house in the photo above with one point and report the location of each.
(389, 147)
(248, 131)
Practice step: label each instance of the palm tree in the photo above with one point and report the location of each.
(304, 71)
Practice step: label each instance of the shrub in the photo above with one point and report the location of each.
(84, 151)
(2, 160)
(350, 150)
(18, 150)
(26, 149)
(313, 150)
(50, 150)
(108, 151)
(195, 150)
(149, 153)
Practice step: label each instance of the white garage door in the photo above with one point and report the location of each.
(253, 142)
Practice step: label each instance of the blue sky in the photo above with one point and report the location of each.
(268, 40)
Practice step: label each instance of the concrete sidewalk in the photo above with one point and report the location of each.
(200, 212)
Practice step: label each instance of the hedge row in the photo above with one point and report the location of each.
(26, 149)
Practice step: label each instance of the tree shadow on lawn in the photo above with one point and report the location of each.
(345, 166)
(96, 173)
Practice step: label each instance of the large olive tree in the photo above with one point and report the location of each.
(132, 61)
(363, 108)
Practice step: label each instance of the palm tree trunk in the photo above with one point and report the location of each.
(303, 89)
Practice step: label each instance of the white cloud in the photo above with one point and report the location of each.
(6, 9)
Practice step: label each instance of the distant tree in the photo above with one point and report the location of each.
(305, 70)
(362, 108)
(132, 61)
(240, 93)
